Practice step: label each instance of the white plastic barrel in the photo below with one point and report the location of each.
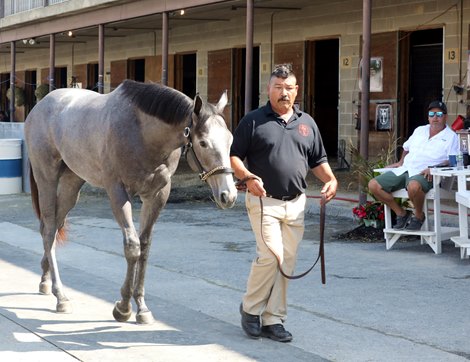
(10, 166)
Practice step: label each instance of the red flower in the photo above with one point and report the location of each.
(370, 210)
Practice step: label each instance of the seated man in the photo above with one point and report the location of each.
(429, 145)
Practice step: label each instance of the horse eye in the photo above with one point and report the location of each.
(203, 144)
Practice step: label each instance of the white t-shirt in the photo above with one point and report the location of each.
(425, 151)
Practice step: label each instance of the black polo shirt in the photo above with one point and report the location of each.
(281, 154)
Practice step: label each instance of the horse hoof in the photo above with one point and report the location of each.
(144, 318)
(119, 315)
(45, 288)
(64, 307)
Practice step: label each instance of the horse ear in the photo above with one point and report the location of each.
(222, 102)
(197, 104)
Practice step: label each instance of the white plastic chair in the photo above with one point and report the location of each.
(431, 233)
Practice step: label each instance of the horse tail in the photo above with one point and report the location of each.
(61, 236)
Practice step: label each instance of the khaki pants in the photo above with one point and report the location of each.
(283, 229)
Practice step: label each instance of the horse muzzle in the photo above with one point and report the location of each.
(223, 187)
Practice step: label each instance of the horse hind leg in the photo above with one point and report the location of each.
(67, 192)
(48, 228)
(45, 284)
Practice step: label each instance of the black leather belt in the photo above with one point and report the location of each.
(283, 198)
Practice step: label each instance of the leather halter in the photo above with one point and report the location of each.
(203, 174)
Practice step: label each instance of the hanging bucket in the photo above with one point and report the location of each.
(10, 166)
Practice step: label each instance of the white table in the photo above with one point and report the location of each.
(462, 196)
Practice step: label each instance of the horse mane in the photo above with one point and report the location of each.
(165, 103)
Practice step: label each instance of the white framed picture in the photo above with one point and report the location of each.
(376, 74)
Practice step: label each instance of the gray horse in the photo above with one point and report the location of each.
(128, 142)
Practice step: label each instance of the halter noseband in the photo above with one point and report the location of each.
(203, 175)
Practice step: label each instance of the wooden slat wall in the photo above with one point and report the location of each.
(45, 75)
(118, 72)
(153, 69)
(219, 74)
(80, 71)
(384, 45)
(294, 53)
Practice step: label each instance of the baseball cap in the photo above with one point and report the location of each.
(438, 104)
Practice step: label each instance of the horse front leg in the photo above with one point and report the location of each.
(122, 209)
(149, 214)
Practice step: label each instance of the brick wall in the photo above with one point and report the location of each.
(323, 19)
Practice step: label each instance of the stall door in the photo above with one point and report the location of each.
(322, 89)
(421, 59)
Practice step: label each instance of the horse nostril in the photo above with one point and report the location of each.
(224, 197)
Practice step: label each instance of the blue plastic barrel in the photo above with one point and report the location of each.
(10, 166)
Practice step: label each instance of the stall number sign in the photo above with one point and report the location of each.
(346, 62)
(452, 55)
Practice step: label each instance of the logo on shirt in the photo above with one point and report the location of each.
(303, 130)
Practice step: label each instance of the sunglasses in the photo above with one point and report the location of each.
(438, 114)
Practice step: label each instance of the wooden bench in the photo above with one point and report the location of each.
(431, 233)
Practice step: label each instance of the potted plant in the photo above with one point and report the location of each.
(41, 91)
(19, 96)
(370, 214)
(364, 168)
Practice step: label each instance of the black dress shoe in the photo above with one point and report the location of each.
(277, 333)
(250, 323)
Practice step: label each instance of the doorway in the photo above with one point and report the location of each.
(29, 88)
(422, 53)
(60, 80)
(185, 74)
(4, 85)
(92, 76)
(322, 89)
(136, 70)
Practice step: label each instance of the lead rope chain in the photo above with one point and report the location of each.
(321, 251)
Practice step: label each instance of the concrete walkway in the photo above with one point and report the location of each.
(406, 304)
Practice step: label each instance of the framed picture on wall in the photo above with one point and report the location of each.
(383, 117)
(376, 74)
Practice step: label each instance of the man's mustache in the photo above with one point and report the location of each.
(283, 98)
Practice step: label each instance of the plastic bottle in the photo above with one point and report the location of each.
(460, 161)
(464, 150)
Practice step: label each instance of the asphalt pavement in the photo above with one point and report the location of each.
(405, 304)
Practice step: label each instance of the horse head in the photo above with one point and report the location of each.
(210, 142)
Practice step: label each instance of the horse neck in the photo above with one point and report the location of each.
(158, 135)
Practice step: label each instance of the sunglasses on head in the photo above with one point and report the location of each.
(438, 114)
